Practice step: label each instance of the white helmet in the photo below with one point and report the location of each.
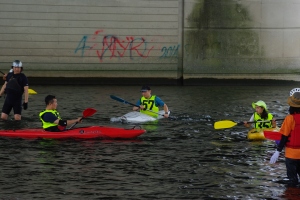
(17, 63)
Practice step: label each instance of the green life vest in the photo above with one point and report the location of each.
(49, 124)
(263, 124)
(149, 104)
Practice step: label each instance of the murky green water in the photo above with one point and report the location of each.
(176, 159)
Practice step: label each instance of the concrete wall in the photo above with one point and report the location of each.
(166, 39)
(256, 39)
(107, 38)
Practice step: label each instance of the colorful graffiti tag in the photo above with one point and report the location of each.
(112, 46)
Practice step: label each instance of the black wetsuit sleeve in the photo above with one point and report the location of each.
(283, 141)
(24, 81)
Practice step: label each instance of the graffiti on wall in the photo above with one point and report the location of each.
(170, 52)
(112, 46)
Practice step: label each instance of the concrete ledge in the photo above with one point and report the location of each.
(101, 81)
(242, 79)
(159, 81)
(239, 82)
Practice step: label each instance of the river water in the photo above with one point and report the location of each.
(180, 158)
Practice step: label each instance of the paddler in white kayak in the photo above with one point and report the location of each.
(51, 119)
(150, 102)
(261, 114)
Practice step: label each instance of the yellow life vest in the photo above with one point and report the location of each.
(149, 104)
(49, 124)
(263, 124)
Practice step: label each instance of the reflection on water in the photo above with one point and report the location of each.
(181, 158)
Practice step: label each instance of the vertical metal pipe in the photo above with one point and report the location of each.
(180, 42)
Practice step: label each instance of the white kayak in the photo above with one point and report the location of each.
(138, 117)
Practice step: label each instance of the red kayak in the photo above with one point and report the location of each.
(78, 133)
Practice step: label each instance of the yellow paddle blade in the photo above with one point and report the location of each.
(31, 91)
(224, 124)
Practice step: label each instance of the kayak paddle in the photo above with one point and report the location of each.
(226, 124)
(229, 123)
(126, 102)
(86, 113)
(272, 135)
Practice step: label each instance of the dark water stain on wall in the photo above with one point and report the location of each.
(218, 31)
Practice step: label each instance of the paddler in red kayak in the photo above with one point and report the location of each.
(51, 119)
(261, 114)
(290, 139)
(150, 102)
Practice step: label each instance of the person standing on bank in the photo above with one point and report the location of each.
(15, 85)
(51, 119)
(150, 102)
(290, 139)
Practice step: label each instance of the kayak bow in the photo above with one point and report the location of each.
(31, 91)
(138, 117)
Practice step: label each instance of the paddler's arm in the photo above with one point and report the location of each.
(166, 109)
(4, 77)
(135, 108)
(285, 130)
(26, 94)
(274, 123)
(246, 124)
(283, 141)
(159, 102)
(72, 121)
(2, 89)
(67, 122)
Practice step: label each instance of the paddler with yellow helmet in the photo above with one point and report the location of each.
(261, 114)
(290, 138)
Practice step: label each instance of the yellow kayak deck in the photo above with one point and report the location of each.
(258, 134)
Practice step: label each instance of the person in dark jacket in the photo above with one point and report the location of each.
(15, 86)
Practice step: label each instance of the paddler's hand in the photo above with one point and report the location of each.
(246, 124)
(79, 120)
(166, 115)
(274, 123)
(25, 105)
(274, 158)
(142, 107)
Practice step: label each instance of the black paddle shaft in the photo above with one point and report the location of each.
(122, 100)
